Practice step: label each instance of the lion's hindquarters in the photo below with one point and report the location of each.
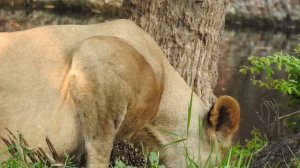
(114, 90)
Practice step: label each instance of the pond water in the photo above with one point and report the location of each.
(235, 49)
(237, 46)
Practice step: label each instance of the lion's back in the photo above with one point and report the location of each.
(34, 64)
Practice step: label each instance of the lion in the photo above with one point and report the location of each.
(86, 86)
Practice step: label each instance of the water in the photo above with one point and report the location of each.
(235, 49)
(237, 46)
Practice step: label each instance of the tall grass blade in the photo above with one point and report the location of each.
(240, 159)
(249, 161)
(229, 158)
(174, 142)
(169, 132)
(52, 149)
(189, 112)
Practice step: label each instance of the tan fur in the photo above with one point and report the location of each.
(87, 86)
(223, 129)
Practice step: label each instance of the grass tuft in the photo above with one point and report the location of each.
(22, 156)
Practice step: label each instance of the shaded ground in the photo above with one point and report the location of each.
(283, 153)
(128, 154)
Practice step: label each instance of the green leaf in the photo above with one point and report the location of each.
(267, 62)
(243, 71)
(119, 164)
(289, 90)
(174, 142)
(269, 72)
(153, 158)
(189, 112)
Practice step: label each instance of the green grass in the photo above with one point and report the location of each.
(23, 157)
(241, 156)
(238, 156)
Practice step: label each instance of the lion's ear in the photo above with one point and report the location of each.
(223, 119)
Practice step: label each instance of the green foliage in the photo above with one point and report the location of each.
(22, 156)
(241, 156)
(154, 160)
(120, 164)
(288, 82)
(293, 123)
(237, 157)
(286, 65)
(18, 161)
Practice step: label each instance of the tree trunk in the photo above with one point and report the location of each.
(189, 33)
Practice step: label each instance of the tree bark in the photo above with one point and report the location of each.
(189, 33)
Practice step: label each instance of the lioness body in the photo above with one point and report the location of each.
(85, 86)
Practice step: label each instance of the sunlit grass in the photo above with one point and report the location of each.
(238, 156)
(241, 156)
(23, 156)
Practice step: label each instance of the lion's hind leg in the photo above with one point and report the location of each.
(100, 110)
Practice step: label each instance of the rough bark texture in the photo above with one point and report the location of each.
(284, 14)
(283, 153)
(189, 32)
